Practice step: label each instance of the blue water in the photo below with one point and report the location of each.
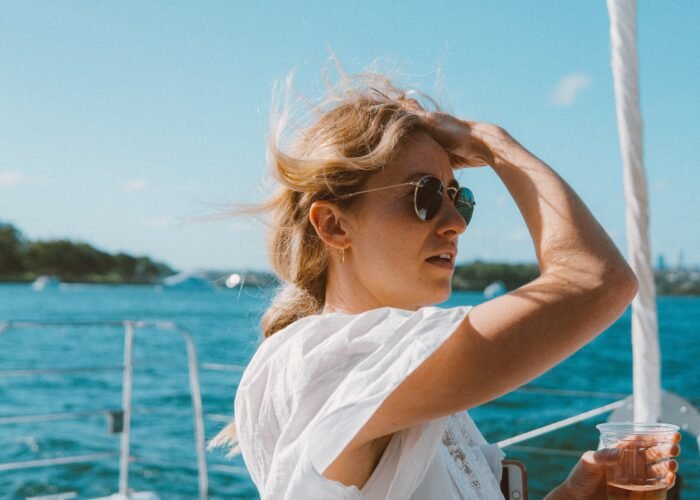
(224, 326)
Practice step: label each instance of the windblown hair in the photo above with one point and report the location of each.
(344, 138)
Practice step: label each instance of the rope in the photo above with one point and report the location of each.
(645, 342)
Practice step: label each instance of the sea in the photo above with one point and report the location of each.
(224, 326)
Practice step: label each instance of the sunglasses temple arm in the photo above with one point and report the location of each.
(379, 189)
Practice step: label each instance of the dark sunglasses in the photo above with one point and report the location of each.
(428, 196)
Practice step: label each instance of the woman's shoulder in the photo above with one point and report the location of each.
(372, 316)
(318, 333)
(315, 340)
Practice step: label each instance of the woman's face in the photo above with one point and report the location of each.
(391, 247)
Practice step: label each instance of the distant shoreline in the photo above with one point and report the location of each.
(24, 261)
(474, 277)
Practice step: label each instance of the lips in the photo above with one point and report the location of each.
(443, 259)
(448, 254)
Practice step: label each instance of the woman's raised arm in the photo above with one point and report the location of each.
(584, 286)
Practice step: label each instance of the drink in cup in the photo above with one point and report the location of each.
(640, 472)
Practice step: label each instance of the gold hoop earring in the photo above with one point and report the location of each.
(342, 255)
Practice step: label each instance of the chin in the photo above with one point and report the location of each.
(445, 294)
(439, 296)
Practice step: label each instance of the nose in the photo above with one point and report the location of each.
(450, 221)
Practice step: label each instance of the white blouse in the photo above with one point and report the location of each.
(312, 386)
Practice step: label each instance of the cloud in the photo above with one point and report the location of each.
(10, 178)
(569, 87)
(136, 185)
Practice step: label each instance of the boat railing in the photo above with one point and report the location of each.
(119, 421)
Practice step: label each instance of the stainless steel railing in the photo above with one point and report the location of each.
(120, 421)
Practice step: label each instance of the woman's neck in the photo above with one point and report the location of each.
(345, 293)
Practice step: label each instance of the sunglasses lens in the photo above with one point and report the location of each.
(464, 201)
(428, 197)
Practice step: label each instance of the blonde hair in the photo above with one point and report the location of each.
(350, 134)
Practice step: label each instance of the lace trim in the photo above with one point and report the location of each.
(467, 465)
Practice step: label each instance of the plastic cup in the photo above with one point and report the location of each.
(640, 472)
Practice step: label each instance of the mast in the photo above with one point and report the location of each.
(645, 342)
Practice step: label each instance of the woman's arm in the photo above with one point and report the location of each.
(585, 283)
(584, 286)
(569, 242)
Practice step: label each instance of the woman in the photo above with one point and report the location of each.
(361, 386)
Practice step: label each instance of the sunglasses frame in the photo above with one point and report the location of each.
(419, 184)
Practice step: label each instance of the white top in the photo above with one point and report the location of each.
(312, 386)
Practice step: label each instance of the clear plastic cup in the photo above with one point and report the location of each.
(640, 472)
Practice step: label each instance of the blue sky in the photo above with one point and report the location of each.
(121, 121)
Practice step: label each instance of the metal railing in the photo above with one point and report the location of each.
(120, 421)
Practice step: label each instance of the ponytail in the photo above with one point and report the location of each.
(289, 305)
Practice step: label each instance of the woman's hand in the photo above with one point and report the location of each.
(469, 144)
(587, 480)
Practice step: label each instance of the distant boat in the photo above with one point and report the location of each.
(230, 280)
(495, 289)
(46, 281)
(234, 280)
(189, 280)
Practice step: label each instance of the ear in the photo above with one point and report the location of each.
(330, 224)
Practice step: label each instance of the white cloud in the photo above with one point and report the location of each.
(10, 178)
(136, 185)
(569, 87)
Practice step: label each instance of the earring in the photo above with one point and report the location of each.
(342, 255)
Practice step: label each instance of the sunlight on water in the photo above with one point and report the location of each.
(224, 326)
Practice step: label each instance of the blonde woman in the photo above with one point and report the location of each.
(361, 386)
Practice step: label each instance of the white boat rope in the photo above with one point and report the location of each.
(645, 343)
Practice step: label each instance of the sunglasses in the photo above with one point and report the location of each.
(428, 196)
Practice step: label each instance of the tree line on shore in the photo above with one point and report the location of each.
(478, 275)
(23, 260)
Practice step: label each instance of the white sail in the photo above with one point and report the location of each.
(645, 343)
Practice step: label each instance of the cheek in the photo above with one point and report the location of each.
(392, 241)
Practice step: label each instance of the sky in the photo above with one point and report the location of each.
(123, 122)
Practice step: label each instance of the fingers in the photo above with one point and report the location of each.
(411, 105)
(662, 451)
(653, 447)
(661, 470)
(677, 437)
(602, 458)
(670, 480)
(636, 440)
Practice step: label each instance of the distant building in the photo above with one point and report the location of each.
(661, 263)
(681, 261)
